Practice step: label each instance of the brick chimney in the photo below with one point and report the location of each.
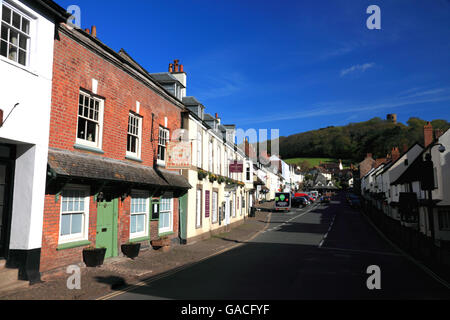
(428, 134)
(395, 154)
(94, 31)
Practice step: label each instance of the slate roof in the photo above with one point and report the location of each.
(165, 78)
(80, 165)
(191, 101)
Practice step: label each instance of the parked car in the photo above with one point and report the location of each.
(326, 199)
(298, 202)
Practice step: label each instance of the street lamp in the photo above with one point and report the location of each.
(428, 184)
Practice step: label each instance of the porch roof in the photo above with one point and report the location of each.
(71, 164)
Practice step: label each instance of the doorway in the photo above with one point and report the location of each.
(107, 212)
(7, 154)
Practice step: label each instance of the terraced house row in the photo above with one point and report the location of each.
(84, 148)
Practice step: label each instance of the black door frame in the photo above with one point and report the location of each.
(8, 198)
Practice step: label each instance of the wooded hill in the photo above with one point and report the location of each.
(355, 140)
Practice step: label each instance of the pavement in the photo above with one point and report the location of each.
(119, 273)
(319, 252)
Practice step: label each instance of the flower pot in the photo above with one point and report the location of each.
(94, 257)
(160, 243)
(131, 250)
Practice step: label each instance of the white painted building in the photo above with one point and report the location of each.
(26, 65)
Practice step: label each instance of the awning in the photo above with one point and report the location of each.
(63, 163)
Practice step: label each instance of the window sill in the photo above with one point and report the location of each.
(133, 158)
(168, 233)
(141, 239)
(72, 245)
(86, 148)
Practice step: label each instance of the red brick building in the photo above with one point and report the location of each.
(110, 123)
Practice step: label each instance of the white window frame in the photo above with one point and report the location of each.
(214, 207)
(170, 212)
(99, 129)
(233, 211)
(199, 149)
(30, 36)
(138, 194)
(210, 155)
(84, 235)
(198, 208)
(162, 162)
(137, 135)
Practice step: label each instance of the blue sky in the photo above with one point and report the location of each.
(290, 65)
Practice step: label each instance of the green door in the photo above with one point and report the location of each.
(107, 227)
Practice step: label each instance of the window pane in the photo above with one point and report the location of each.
(133, 224)
(12, 53)
(16, 20)
(22, 57)
(82, 128)
(4, 33)
(65, 224)
(91, 131)
(25, 25)
(3, 49)
(23, 42)
(6, 15)
(140, 223)
(70, 206)
(77, 221)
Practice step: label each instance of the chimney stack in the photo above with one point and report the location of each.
(395, 154)
(438, 133)
(428, 134)
(94, 31)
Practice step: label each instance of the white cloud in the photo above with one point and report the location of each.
(357, 68)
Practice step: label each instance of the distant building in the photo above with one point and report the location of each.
(392, 117)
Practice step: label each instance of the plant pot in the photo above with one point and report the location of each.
(160, 243)
(131, 250)
(94, 257)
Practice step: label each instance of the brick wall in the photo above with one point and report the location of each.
(74, 68)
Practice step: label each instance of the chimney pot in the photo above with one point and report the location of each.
(171, 67)
(87, 31)
(94, 31)
(217, 116)
(428, 134)
(181, 68)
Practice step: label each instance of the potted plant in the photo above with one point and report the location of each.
(162, 242)
(201, 174)
(93, 257)
(212, 177)
(220, 179)
(131, 250)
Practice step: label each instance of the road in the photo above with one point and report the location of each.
(321, 252)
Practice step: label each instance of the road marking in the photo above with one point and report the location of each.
(326, 235)
(407, 256)
(176, 270)
(362, 251)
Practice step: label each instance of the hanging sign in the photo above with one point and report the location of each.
(178, 155)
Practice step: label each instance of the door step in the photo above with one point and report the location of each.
(2, 264)
(9, 280)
